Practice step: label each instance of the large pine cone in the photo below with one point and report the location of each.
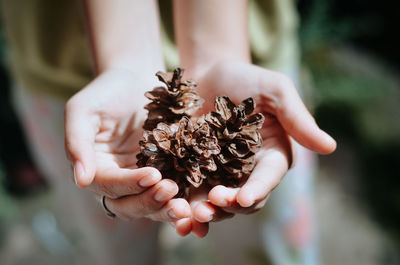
(172, 103)
(183, 150)
(236, 131)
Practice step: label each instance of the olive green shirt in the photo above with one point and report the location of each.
(49, 51)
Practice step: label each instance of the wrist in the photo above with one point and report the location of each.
(145, 65)
(195, 69)
(133, 79)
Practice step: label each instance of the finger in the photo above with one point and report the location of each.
(80, 132)
(199, 196)
(174, 210)
(225, 198)
(280, 96)
(206, 212)
(236, 208)
(118, 182)
(267, 174)
(183, 226)
(147, 203)
(199, 229)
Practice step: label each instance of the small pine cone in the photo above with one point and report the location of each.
(181, 151)
(170, 104)
(236, 131)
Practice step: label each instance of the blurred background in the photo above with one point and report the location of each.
(351, 58)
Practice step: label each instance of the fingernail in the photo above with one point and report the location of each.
(79, 171)
(161, 196)
(223, 203)
(248, 202)
(210, 218)
(207, 212)
(171, 214)
(147, 181)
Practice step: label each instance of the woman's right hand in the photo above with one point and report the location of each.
(102, 130)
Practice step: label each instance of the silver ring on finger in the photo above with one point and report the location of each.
(106, 210)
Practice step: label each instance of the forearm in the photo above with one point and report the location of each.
(124, 34)
(210, 31)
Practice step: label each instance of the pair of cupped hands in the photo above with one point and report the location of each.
(103, 125)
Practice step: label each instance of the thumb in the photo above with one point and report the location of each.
(284, 102)
(80, 131)
(298, 123)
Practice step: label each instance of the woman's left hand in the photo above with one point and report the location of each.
(286, 118)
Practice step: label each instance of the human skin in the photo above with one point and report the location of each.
(213, 45)
(103, 120)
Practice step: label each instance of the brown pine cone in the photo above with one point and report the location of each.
(170, 104)
(181, 151)
(236, 131)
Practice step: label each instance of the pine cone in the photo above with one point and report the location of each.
(172, 103)
(216, 148)
(236, 131)
(181, 151)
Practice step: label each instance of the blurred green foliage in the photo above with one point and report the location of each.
(356, 97)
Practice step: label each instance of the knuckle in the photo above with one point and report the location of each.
(134, 209)
(107, 189)
(147, 205)
(132, 189)
(284, 86)
(168, 186)
(284, 82)
(277, 88)
(142, 205)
